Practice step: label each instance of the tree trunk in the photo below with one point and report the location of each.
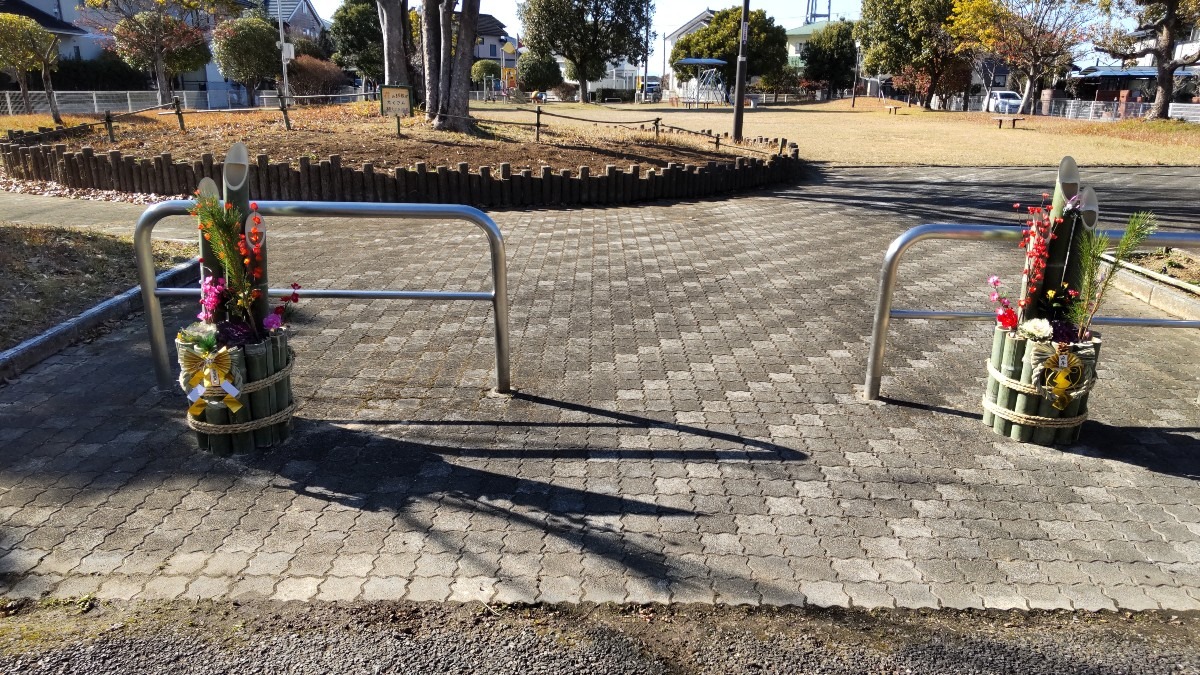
(431, 50)
(583, 88)
(457, 105)
(1165, 89)
(1025, 95)
(392, 16)
(23, 83)
(446, 62)
(164, 82)
(250, 94)
(49, 87)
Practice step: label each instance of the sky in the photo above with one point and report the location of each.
(668, 15)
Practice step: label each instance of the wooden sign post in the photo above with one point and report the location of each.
(395, 101)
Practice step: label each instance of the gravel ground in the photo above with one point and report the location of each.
(263, 637)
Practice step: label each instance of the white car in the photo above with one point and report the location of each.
(1004, 102)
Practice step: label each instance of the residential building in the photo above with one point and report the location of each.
(701, 20)
(61, 17)
(798, 37)
(1185, 47)
(490, 37)
(300, 18)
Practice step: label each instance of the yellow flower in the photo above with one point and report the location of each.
(1050, 294)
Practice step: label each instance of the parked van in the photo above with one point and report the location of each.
(1004, 102)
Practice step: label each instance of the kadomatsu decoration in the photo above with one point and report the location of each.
(235, 362)
(1043, 361)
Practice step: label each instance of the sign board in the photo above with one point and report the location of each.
(395, 101)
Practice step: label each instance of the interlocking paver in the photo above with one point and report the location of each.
(687, 428)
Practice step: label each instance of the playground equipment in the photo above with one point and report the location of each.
(708, 86)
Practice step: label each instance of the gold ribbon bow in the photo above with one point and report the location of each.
(1062, 373)
(209, 369)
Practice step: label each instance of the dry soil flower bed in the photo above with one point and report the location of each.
(358, 134)
(49, 274)
(1174, 263)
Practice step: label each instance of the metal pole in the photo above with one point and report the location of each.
(891, 263)
(739, 104)
(160, 348)
(854, 87)
(646, 65)
(282, 55)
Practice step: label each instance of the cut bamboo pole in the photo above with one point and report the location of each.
(992, 385)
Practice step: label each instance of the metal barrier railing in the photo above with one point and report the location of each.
(160, 349)
(1007, 233)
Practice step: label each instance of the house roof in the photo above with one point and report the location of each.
(808, 29)
(696, 23)
(288, 7)
(47, 21)
(1145, 72)
(486, 25)
(489, 25)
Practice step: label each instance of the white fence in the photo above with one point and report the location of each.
(1188, 112)
(96, 102)
(1105, 111)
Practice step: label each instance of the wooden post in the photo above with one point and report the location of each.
(657, 122)
(537, 126)
(108, 126)
(287, 121)
(179, 113)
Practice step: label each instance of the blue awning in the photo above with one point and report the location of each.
(700, 62)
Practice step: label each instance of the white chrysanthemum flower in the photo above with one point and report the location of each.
(1038, 330)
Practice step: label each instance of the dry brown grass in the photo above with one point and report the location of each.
(826, 132)
(49, 274)
(866, 135)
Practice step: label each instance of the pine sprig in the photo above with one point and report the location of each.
(1094, 285)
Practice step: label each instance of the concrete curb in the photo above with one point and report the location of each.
(1159, 295)
(34, 350)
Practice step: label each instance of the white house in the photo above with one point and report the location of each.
(60, 17)
(1185, 47)
(701, 20)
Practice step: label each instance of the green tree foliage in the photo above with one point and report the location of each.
(245, 51)
(914, 33)
(829, 56)
(26, 46)
(359, 38)
(786, 80)
(720, 40)
(538, 72)
(483, 69)
(1169, 22)
(157, 32)
(588, 33)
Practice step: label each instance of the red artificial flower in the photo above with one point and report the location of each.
(253, 206)
(1006, 318)
(1017, 205)
(279, 310)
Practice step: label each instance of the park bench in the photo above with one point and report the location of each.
(1001, 120)
(696, 104)
(892, 109)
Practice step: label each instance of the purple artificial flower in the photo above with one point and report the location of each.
(272, 321)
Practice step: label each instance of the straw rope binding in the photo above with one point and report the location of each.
(1032, 420)
(206, 428)
(1011, 383)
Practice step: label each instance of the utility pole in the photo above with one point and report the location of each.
(739, 104)
(283, 55)
(854, 89)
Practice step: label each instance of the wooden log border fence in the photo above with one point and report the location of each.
(329, 180)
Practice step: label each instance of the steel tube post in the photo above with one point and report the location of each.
(160, 349)
(899, 245)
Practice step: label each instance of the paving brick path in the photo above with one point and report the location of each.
(687, 429)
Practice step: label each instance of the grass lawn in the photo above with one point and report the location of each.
(49, 274)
